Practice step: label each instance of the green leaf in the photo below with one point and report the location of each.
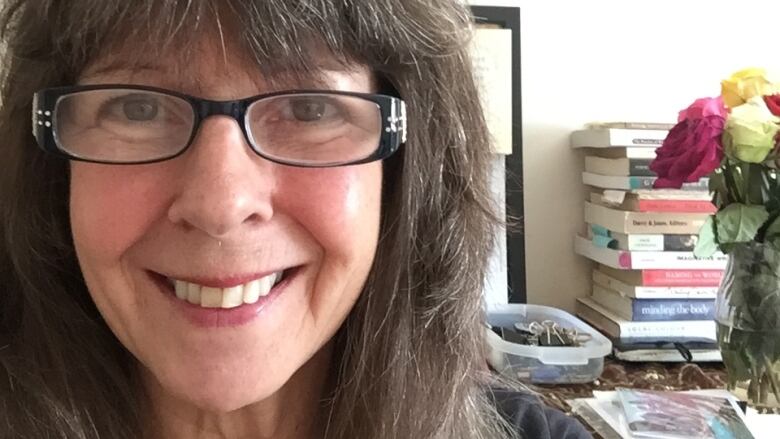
(773, 231)
(739, 222)
(706, 245)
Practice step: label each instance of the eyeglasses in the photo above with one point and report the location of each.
(130, 124)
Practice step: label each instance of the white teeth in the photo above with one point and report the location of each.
(232, 297)
(209, 297)
(193, 293)
(265, 284)
(181, 290)
(252, 291)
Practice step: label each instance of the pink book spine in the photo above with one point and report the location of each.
(680, 278)
(678, 206)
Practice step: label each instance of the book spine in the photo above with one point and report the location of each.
(670, 329)
(638, 183)
(673, 278)
(630, 137)
(640, 153)
(627, 222)
(640, 168)
(676, 206)
(675, 292)
(641, 182)
(648, 242)
(660, 242)
(678, 260)
(621, 259)
(655, 310)
(636, 332)
(643, 292)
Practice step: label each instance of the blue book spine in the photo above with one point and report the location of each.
(635, 182)
(659, 310)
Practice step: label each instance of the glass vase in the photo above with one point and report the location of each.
(748, 321)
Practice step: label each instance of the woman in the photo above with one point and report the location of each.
(230, 231)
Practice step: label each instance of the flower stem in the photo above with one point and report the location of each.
(733, 194)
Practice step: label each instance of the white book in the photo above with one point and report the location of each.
(617, 137)
(640, 292)
(628, 222)
(646, 242)
(626, 330)
(634, 152)
(629, 260)
(618, 166)
(620, 196)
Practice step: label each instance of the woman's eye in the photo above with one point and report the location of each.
(136, 107)
(311, 110)
(140, 110)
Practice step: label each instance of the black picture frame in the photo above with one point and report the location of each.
(509, 18)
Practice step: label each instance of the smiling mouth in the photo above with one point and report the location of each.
(209, 296)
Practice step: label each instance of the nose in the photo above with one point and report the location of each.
(222, 185)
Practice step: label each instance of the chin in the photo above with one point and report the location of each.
(220, 391)
(223, 396)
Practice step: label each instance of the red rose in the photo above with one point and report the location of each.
(773, 103)
(692, 150)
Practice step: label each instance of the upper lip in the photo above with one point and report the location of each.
(227, 281)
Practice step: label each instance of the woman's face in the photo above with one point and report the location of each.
(222, 224)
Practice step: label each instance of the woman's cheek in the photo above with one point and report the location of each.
(111, 207)
(340, 206)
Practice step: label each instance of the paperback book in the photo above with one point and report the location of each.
(630, 332)
(694, 351)
(600, 277)
(634, 183)
(634, 152)
(622, 259)
(658, 200)
(665, 278)
(618, 166)
(653, 310)
(657, 242)
(615, 137)
(631, 125)
(626, 222)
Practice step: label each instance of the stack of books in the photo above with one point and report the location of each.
(650, 295)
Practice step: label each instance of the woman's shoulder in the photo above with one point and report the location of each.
(533, 419)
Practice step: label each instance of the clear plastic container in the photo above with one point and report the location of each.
(545, 364)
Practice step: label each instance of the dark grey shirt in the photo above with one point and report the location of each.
(534, 420)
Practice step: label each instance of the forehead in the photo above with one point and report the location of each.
(214, 61)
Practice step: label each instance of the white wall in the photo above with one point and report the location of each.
(607, 60)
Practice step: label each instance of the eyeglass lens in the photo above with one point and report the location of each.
(127, 125)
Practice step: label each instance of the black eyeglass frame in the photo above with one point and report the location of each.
(392, 112)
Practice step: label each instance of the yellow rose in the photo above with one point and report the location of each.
(745, 84)
(750, 131)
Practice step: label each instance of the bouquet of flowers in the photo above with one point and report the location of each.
(733, 140)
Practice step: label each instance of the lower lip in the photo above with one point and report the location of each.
(223, 317)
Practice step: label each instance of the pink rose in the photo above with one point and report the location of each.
(704, 107)
(693, 147)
